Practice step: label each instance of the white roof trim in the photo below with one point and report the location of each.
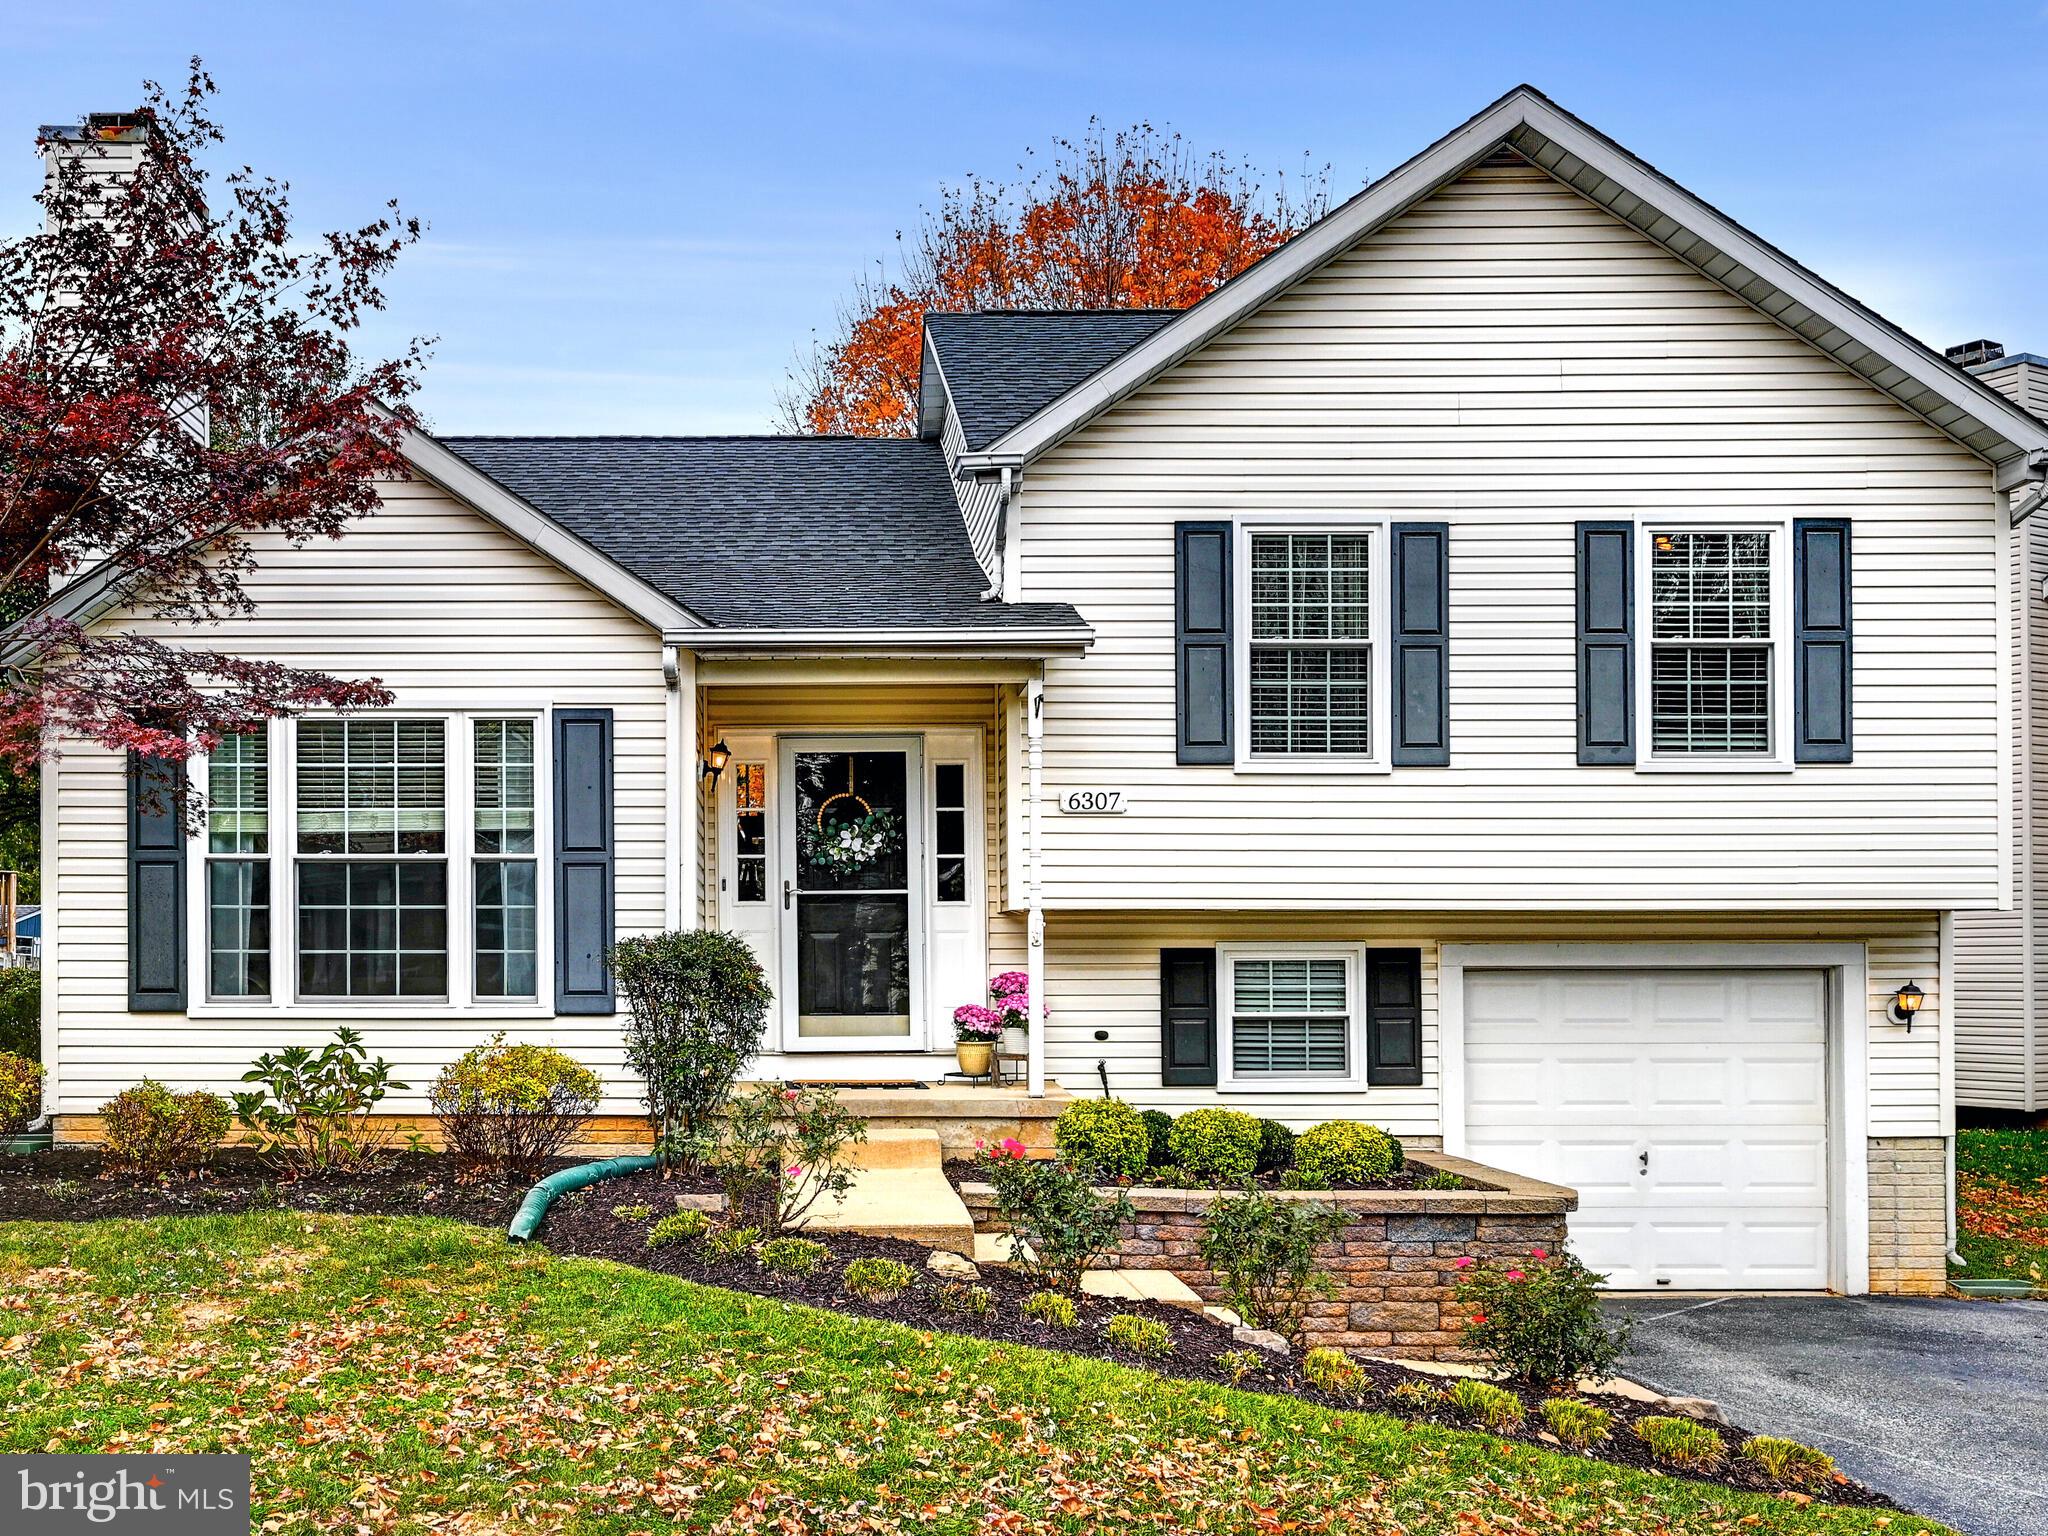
(1015, 640)
(1976, 415)
(541, 533)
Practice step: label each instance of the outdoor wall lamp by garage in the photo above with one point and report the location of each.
(1905, 1003)
(714, 765)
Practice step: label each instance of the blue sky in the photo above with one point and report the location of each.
(639, 211)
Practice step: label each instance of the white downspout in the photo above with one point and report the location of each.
(1034, 905)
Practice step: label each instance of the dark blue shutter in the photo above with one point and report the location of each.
(1187, 1018)
(1605, 557)
(1825, 660)
(1421, 639)
(1201, 659)
(1393, 1018)
(156, 885)
(584, 900)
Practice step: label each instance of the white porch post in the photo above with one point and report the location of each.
(1034, 960)
(684, 788)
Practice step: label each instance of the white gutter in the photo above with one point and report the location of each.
(1034, 896)
(1008, 641)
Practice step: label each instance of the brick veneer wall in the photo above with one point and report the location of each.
(1395, 1266)
(1908, 1215)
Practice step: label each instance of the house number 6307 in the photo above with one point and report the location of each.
(1093, 802)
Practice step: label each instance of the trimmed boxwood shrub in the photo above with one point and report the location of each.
(150, 1129)
(1276, 1147)
(1217, 1146)
(511, 1108)
(21, 1093)
(1159, 1127)
(1106, 1137)
(1345, 1152)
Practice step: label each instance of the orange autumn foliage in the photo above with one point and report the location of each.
(1133, 220)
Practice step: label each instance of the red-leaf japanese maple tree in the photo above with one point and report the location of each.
(1131, 220)
(175, 378)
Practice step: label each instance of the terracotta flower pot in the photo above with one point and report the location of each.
(975, 1056)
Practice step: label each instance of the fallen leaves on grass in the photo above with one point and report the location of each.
(456, 1392)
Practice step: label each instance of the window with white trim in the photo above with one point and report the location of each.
(1290, 1016)
(949, 833)
(1309, 677)
(238, 867)
(372, 858)
(1712, 643)
(506, 873)
(750, 832)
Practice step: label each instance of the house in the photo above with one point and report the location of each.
(2001, 971)
(1522, 665)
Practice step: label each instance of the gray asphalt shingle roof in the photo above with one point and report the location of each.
(768, 532)
(1003, 367)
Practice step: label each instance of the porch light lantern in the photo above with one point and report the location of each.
(1905, 1003)
(714, 764)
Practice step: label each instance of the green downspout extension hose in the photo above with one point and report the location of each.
(535, 1206)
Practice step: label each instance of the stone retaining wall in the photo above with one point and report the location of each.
(1394, 1266)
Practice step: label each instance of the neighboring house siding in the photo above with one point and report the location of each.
(448, 611)
(2001, 993)
(1509, 358)
(981, 505)
(1102, 973)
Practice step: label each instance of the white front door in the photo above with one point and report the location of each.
(1688, 1109)
(851, 902)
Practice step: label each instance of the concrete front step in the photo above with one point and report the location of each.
(900, 1190)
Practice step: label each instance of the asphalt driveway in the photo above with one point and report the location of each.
(1942, 1404)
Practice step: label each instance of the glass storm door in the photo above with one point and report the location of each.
(852, 894)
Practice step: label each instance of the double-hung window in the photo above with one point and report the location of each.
(238, 867)
(507, 874)
(1309, 667)
(1291, 1015)
(1714, 644)
(377, 859)
(372, 856)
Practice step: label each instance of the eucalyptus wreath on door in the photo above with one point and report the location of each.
(846, 841)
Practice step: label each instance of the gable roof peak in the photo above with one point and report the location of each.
(1579, 156)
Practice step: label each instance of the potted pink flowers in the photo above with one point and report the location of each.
(979, 1028)
(976, 1029)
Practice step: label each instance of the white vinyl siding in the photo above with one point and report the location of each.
(1509, 358)
(2002, 989)
(1102, 973)
(451, 613)
(981, 503)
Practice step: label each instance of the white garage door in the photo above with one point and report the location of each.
(1688, 1108)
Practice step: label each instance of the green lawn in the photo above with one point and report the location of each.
(2002, 1204)
(390, 1375)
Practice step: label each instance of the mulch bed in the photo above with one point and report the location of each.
(582, 1224)
(74, 1184)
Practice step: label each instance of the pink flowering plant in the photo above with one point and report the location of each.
(975, 1025)
(1538, 1317)
(1010, 995)
(781, 1151)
